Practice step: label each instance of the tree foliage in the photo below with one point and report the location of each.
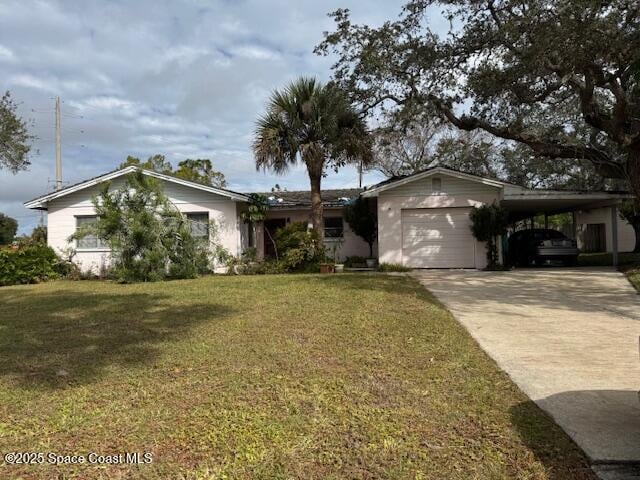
(487, 223)
(198, 170)
(148, 237)
(8, 229)
(15, 140)
(256, 214)
(362, 220)
(313, 124)
(400, 149)
(29, 264)
(560, 77)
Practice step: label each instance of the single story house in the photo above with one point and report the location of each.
(423, 219)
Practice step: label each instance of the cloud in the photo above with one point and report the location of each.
(183, 78)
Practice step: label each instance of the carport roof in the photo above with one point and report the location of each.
(523, 202)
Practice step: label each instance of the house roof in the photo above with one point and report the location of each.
(302, 198)
(401, 180)
(41, 202)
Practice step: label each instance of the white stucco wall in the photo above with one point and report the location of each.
(62, 213)
(454, 192)
(626, 235)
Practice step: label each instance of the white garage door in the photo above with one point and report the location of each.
(437, 238)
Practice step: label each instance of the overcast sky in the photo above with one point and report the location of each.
(181, 78)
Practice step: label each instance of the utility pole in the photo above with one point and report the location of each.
(58, 147)
(360, 174)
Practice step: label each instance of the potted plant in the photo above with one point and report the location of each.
(326, 267)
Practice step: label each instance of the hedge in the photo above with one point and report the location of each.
(29, 264)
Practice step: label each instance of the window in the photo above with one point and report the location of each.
(333, 227)
(90, 241)
(199, 223)
(436, 185)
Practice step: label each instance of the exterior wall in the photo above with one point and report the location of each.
(454, 192)
(351, 245)
(62, 213)
(626, 235)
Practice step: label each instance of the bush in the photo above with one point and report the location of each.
(298, 247)
(355, 261)
(487, 223)
(392, 267)
(30, 264)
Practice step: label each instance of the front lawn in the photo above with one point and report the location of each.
(298, 376)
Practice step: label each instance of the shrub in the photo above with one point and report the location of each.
(298, 246)
(355, 261)
(392, 267)
(30, 264)
(363, 220)
(148, 237)
(487, 223)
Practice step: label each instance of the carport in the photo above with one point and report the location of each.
(523, 204)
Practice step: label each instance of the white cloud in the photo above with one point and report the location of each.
(182, 78)
(6, 54)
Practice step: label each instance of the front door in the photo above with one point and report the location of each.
(271, 226)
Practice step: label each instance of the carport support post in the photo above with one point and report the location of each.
(614, 234)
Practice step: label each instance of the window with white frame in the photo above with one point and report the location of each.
(333, 227)
(88, 241)
(199, 224)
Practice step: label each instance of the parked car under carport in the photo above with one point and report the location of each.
(541, 246)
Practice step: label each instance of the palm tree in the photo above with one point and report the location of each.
(314, 124)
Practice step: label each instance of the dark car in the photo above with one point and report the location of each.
(539, 246)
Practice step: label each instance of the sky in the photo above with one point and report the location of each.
(186, 79)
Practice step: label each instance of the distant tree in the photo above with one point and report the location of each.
(200, 170)
(314, 124)
(39, 235)
(157, 163)
(405, 149)
(481, 154)
(8, 229)
(363, 221)
(15, 140)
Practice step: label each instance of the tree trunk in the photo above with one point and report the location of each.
(316, 204)
(633, 173)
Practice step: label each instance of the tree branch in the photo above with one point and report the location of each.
(549, 149)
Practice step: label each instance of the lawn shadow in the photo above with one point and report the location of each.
(603, 423)
(70, 336)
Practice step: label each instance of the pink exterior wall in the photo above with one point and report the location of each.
(351, 245)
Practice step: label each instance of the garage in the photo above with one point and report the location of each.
(437, 238)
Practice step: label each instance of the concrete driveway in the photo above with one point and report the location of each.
(567, 337)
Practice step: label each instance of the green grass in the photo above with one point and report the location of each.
(605, 259)
(633, 274)
(298, 376)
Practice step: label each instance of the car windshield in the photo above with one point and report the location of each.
(553, 234)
